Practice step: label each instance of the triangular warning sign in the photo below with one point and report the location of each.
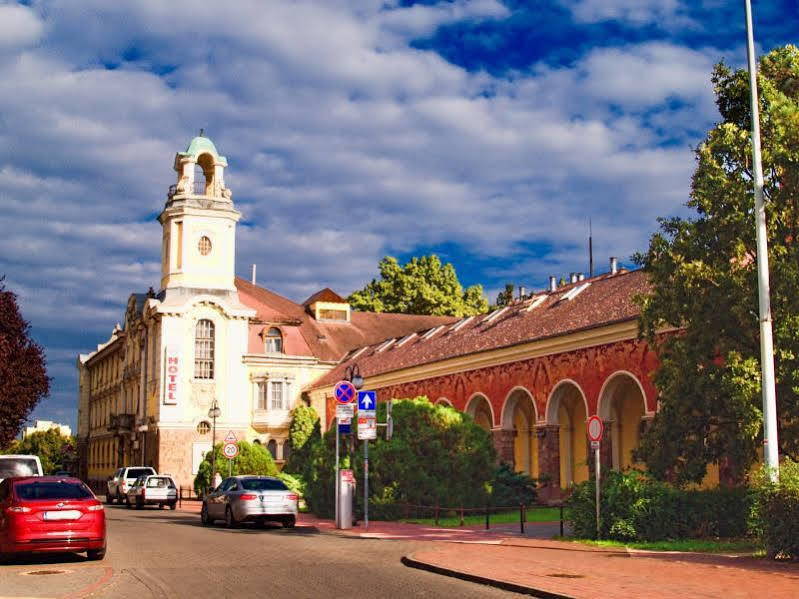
(231, 438)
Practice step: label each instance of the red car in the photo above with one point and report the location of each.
(50, 514)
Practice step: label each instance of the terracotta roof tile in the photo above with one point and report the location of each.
(607, 299)
(325, 295)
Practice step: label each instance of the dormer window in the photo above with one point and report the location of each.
(273, 342)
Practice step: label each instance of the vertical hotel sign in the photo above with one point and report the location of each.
(172, 380)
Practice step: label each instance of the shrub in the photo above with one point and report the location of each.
(776, 512)
(511, 488)
(253, 458)
(304, 433)
(438, 456)
(634, 507)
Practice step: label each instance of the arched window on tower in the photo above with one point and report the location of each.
(272, 447)
(274, 341)
(204, 350)
(204, 175)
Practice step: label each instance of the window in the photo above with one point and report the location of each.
(263, 484)
(203, 428)
(328, 314)
(262, 395)
(286, 449)
(274, 341)
(277, 395)
(204, 245)
(204, 350)
(272, 447)
(52, 490)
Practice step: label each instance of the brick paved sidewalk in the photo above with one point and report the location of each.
(570, 570)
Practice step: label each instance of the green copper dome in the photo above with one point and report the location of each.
(201, 145)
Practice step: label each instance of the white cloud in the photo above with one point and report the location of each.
(665, 13)
(19, 26)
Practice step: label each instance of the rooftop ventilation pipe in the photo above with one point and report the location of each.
(614, 268)
(572, 277)
(253, 274)
(553, 284)
(522, 291)
(580, 276)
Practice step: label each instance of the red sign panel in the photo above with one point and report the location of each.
(595, 428)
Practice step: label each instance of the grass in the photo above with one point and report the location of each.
(547, 514)
(689, 545)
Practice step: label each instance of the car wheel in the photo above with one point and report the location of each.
(127, 502)
(109, 499)
(160, 506)
(119, 498)
(230, 520)
(96, 554)
(204, 515)
(139, 504)
(289, 522)
(173, 505)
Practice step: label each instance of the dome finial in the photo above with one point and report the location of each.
(202, 131)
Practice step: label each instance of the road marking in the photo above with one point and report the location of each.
(95, 586)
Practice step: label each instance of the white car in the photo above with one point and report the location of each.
(19, 465)
(154, 489)
(123, 479)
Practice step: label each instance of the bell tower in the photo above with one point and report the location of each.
(199, 223)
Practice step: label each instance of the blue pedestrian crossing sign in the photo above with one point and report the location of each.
(367, 401)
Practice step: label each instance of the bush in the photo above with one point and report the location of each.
(511, 488)
(253, 458)
(634, 507)
(438, 456)
(304, 433)
(776, 512)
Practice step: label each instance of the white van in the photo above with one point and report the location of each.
(19, 465)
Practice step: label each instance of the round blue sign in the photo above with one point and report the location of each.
(344, 392)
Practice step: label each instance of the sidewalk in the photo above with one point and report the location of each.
(545, 568)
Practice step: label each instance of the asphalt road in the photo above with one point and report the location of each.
(165, 554)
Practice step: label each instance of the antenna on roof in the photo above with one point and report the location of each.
(201, 131)
(253, 274)
(590, 250)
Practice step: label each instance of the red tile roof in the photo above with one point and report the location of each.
(327, 341)
(325, 295)
(608, 299)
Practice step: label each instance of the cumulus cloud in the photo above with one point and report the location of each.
(344, 141)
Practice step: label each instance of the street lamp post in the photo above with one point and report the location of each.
(770, 448)
(214, 413)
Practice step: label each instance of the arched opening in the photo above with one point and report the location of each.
(443, 401)
(204, 175)
(273, 341)
(519, 415)
(272, 448)
(204, 350)
(479, 409)
(286, 449)
(567, 409)
(621, 407)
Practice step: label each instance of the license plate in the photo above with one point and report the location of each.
(62, 515)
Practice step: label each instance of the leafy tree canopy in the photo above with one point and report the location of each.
(23, 377)
(55, 451)
(505, 297)
(303, 431)
(704, 280)
(422, 286)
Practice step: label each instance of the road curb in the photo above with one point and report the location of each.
(411, 562)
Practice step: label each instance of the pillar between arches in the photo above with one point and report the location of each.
(503, 444)
(549, 460)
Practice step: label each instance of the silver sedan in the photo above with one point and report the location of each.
(250, 499)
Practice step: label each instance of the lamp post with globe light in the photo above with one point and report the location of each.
(214, 413)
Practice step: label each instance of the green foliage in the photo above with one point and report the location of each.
(293, 482)
(253, 458)
(304, 432)
(23, 376)
(511, 488)
(437, 456)
(634, 507)
(422, 286)
(55, 451)
(776, 512)
(704, 281)
(505, 297)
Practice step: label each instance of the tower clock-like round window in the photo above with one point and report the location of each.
(203, 428)
(204, 245)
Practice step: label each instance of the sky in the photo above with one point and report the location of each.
(486, 131)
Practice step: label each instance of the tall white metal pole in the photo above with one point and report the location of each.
(770, 447)
(338, 523)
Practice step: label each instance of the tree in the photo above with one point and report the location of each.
(23, 377)
(304, 431)
(253, 458)
(505, 297)
(55, 451)
(704, 281)
(422, 286)
(437, 456)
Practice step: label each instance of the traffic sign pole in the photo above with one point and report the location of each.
(338, 484)
(366, 484)
(595, 429)
(597, 467)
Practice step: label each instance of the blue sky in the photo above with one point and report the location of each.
(487, 131)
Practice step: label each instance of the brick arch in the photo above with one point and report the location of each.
(607, 390)
(473, 405)
(555, 396)
(509, 405)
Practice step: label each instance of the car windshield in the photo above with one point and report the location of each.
(160, 482)
(137, 472)
(18, 467)
(56, 489)
(262, 484)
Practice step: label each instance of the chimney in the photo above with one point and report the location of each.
(253, 274)
(522, 292)
(613, 266)
(572, 277)
(553, 284)
(580, 276)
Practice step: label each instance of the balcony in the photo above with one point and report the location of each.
(271, 419)
(122, 423)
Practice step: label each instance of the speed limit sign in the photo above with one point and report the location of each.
(231, 450)
(595, 429)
